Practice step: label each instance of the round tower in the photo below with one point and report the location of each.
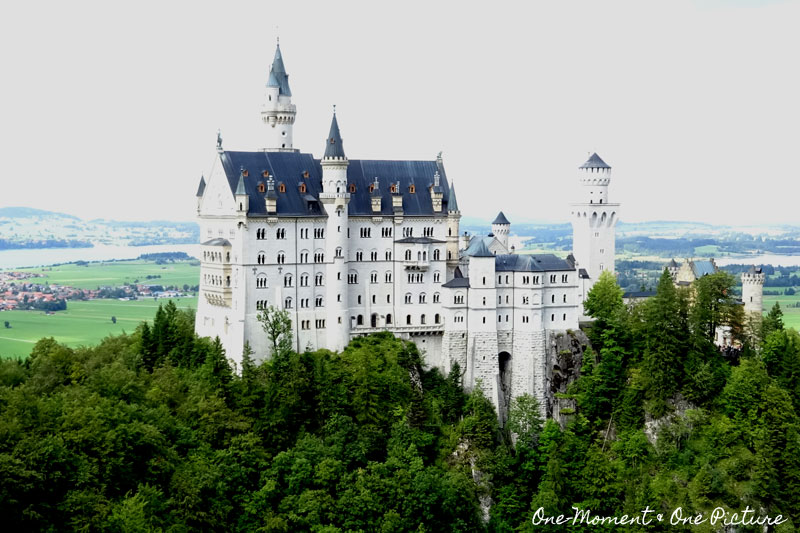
(278, 112)
(500, 228)
(453, 218)
(594, 221)
(753, 291)
(335, 197)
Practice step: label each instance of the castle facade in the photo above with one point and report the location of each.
(350, 247)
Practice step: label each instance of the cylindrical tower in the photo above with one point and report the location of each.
(594, 221)
(500, 228)
(335, 197)
(753, 291)
(278, 112)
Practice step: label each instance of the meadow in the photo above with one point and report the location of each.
(83, 323)
(116, 273)
(790, 305)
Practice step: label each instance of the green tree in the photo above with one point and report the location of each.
(604, 302)
(525, 420)
(772, 322)
(277, 324)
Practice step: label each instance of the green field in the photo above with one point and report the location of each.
(83, 323)
(116, 273)
(791, 315)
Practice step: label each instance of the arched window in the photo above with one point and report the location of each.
(408, 320)
(388, 319)
(287, 303)
(302, 187)
(422, 319)
(436, 318)
(281, 187)
(352, 187)
(360, 320)
(408, 255)
(288, 281)
(436, 255)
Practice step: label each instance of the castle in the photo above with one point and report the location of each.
(351, 247)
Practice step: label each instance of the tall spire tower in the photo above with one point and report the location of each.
(335, 197)
(594, 222)
(278, 112)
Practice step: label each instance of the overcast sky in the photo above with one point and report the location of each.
(111, 109)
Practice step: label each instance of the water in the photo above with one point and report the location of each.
(51, 256)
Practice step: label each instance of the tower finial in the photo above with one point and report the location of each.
(334, 109)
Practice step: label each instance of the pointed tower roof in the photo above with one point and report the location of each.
(452, 202)
(594, 162)
(202, 187)
(240, 186)
(481, 250)
(333, 145)
(277, 74)
(501, 219)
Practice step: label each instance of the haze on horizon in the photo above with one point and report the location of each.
(111, 111)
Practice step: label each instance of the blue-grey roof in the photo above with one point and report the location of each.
(473, 243)
(291, 167)
(202, 187)
(703, 268)
(452, 205)
(501, 219)
(639, 294)
(480, 250)
(278, 72)
(457, 283)
(333, 144)
(595, 162)
(217, 242)
(240, 186)
(672, 263)
(530, 263)
(419, 240)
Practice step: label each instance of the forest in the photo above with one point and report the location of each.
(157, 431)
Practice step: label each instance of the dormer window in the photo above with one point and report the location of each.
(261, 187)
(265, 174)
(371, 187)
(305, 173)
(245, 173)
(281, 187)
(412, 189)
(393, 188)
(303, 187)
(352, 187)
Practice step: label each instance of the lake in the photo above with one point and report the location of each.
(51, 256)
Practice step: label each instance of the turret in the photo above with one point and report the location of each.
(500, 228)
(278, 112)
(753, 291)
(594, 221)
(453, 218)
(335, 197)
(241, 197)
(201, 188)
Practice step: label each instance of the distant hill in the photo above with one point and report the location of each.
(29, 212)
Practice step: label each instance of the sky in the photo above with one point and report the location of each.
(111, 109)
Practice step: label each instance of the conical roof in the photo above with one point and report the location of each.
(481, 250)
(333, 145)
(501, 219)
(202, 187)
(452, 203)
(240, 186)
(277, 74)
(594, 162)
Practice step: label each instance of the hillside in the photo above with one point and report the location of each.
(25, 227)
